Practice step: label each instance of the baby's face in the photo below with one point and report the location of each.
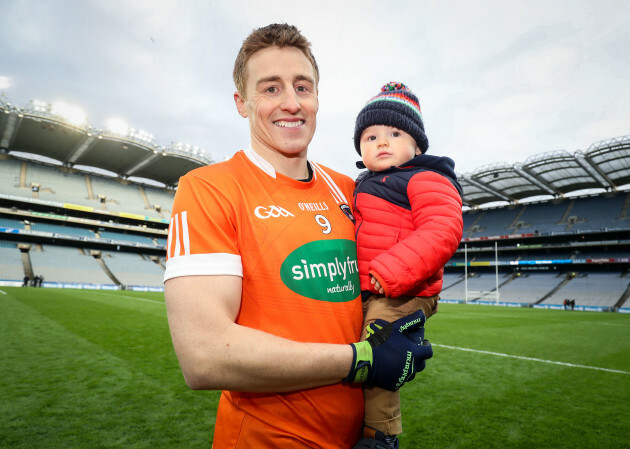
(383, 147)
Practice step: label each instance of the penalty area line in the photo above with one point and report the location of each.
(533, 359)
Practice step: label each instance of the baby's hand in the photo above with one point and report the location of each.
(377, 285)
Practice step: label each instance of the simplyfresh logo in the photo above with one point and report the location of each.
(325, 270)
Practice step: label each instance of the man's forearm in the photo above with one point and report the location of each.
(216, 353)
(254, 361)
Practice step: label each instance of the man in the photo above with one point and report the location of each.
(261, 280)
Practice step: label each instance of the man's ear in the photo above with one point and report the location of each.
(240, 104)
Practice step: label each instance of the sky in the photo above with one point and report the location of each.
(498, 81)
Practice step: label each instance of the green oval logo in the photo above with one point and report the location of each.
(325, 270)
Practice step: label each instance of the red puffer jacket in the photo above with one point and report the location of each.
(408, 225)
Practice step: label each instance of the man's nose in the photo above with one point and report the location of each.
(290, 101)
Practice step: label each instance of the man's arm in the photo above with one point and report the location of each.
(215, 353)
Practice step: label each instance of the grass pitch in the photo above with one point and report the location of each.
(95, 369)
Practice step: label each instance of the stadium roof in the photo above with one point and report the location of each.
(39, 130)
(604, 165)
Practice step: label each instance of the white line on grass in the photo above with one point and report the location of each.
(533, 359)
(136, 298)
(3, 292)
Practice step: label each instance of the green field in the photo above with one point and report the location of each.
(89, 369)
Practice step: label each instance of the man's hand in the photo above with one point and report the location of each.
(392, 354)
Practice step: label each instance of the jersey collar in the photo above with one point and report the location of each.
(265, 166)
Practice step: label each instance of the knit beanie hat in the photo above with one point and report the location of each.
(394, 106)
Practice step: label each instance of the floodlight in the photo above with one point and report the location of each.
(117, 126)
(72, 114)
(40, 106)
(141, 135)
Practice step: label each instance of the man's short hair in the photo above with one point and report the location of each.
(275, 35)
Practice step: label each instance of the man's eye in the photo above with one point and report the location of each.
(272, 90)
(301, 89)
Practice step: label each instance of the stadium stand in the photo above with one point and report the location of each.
(560, 221)
(126, 237)
(59, 229)
(10, 262)
(480, 286)
(530, 287)
(10, 174)
(112, 195)
(11, 223)
(592, 289)
(495, 222)
(78, 265)
(574, 215)
(160, 198)
(595, 212)
(543, 216)
(55, 184)
(133, 269)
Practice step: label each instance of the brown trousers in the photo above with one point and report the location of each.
(382, 407)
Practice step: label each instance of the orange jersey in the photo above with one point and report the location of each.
(293, 244)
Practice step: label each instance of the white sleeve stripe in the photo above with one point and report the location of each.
(170, 238)
(177, 244)
(185, 233)
(204, 265)
(335, 190)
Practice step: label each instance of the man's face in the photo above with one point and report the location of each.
(281, 101)
(383, 147)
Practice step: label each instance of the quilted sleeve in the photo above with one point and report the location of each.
(436, 212)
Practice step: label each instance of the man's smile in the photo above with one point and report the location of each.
(289, 124)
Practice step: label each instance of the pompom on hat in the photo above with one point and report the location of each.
(394, 106)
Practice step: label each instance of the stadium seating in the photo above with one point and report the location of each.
(592, 289)
(159, 197)
(118, 197)
(126, 237)
(133, 269)
(529, 288)
(569, 215)
(77, 266)
(57, 184)
(451, 279)
(480, 286)
(64, 185)
(494, 222)
(11, 223)
(60, 229)
(596, 212)
(566, 216)
(10, 262)
(542, 218)
(10, 175)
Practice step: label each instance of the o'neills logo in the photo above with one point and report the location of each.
(325, 270)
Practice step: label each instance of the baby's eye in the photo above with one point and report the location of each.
(371, 138)
(396, 133)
